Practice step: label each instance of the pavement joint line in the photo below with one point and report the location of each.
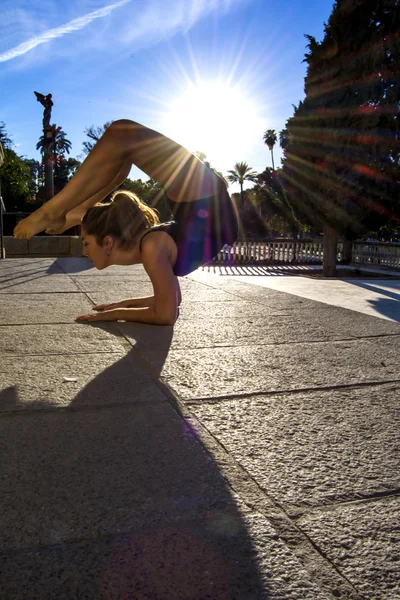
(339, 504)
(27, 355)
(86, 408)
(310, 342)
(39, 293)
(280, 519)
(228, 397)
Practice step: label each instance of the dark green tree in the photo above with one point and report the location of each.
(94, 134)
(18, 185)
(274, 201)
(5, 140)
(342, 163)
(64, 169)
(284, 138)
(150, 192)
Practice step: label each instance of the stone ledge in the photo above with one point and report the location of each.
(44, 246)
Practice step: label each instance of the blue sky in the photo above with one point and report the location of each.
(212, 74)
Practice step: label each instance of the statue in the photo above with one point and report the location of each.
(47, 102)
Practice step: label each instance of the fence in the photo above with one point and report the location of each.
(306, 252)
(375, 254)
(277, 252)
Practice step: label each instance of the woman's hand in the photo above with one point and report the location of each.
(104, 315)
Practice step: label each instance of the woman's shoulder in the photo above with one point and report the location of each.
(168, 227)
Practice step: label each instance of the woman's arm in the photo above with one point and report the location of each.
(137, 315)
(166, 299)
(129, 303)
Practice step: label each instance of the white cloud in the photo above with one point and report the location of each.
(148, 21)
(51, 34)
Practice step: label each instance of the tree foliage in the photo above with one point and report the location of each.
(5, 140)
(240, 173)
(59, 145)
(274, 202)
(270, 138)
(94, 134)
(18, 185)
(342, 161)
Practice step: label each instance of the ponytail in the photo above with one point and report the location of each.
(125, 217)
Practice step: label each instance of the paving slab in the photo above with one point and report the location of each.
(124, 284)
(47, 383)
(315, 448)
(194, 331)
(222, 371)
(57, 339)
(219, 558)
(42, 308)
(38, 283)
(83, 267)
(104, 475)
(17, 266)
(83, 473)
(363, 542)
(376, 297)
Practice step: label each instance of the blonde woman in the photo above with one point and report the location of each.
(118, 233)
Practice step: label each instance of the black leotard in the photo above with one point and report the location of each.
(200, 229)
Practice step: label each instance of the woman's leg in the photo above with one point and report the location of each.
(75, 215)
(183, 175)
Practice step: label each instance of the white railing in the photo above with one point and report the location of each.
(271, 252)
(306, 252)
(376, 254)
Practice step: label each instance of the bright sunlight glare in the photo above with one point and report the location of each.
(216, 119)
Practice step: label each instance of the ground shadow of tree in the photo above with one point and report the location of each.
(390, 306)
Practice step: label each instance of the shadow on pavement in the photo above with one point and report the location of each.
(117, 500)
(390, 306)
(71, 265)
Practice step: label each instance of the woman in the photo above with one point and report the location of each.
(118, 232)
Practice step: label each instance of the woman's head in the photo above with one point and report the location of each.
(122, 220)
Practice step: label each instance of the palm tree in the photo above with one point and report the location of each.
(270, 138)
(59, 145)
(241, 172)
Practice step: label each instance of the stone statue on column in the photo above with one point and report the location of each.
(48, 139)
(47, 102)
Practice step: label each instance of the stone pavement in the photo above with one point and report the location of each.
(250, 452)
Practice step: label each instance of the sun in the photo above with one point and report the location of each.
(217, 119)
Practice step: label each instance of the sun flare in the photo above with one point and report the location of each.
(217, 119)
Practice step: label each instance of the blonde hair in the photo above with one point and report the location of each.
(125, 217)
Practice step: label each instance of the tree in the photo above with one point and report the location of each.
(64, 169)
(18, 186)
(270, 138)
(274, 201)
(5, 141)
(59, 145)
(151, 193)
(241, 172)
(342, 162)
(94, 134)
(284, 138)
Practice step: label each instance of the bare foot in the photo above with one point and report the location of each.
(58, 226)
(36, 222)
